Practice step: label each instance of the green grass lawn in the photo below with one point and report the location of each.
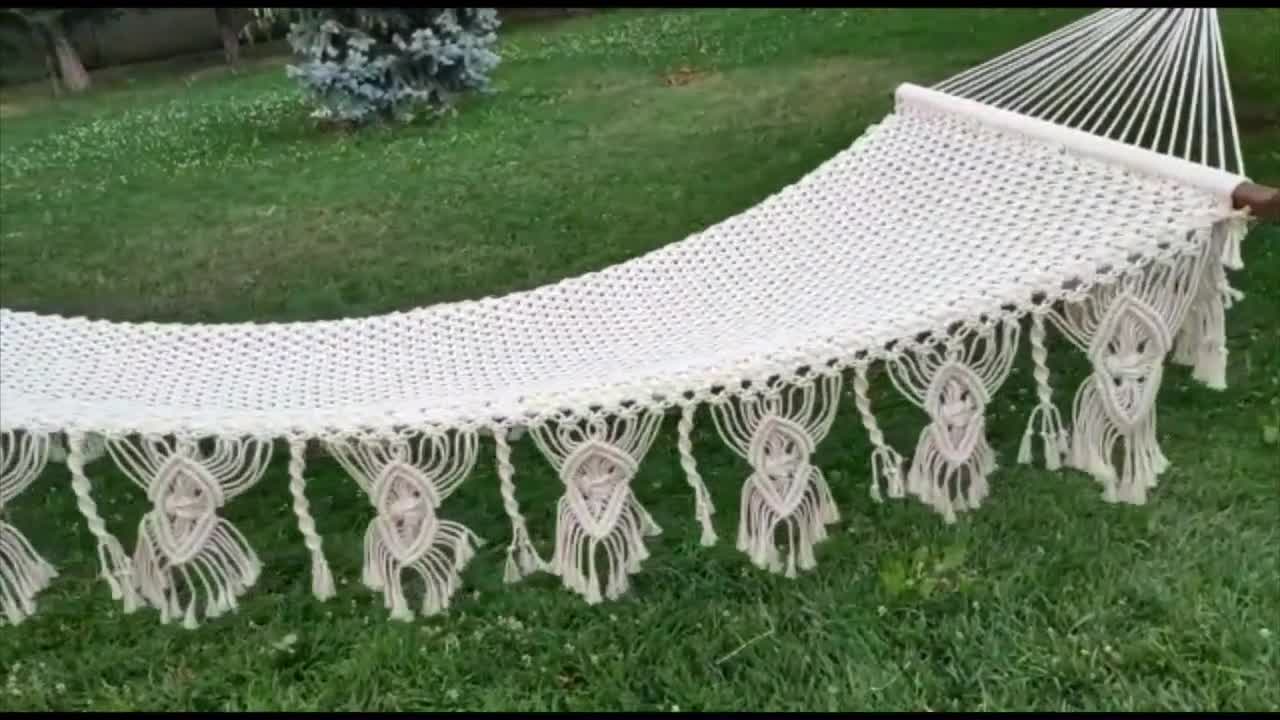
(210, 197)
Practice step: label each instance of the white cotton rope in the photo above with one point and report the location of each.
(321, 577)
(1123, 64)
(1083, 179)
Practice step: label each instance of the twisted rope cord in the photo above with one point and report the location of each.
(522, 558)
(321, 576)
(701, 497)
(115, 566)
(1045, 415)
(885, 461)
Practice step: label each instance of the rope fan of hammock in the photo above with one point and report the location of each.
(1091, 182)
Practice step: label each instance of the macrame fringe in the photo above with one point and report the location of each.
(777, 433)
(407, 479)
(947, 486)
(886, 471)
(321, 577)
(954, 383)
(886, 463)
(1052, 432)
(23, 574)
(439, 566)
(522, 557)
(222, 570)
(578, 548)
(596, 460)
(114, 565)
(1126, 330)
(1235, 229)
(188, 561)
(702, 499)
(804, 526)
(1202, 341)
(1097, 439)
(1045, 416)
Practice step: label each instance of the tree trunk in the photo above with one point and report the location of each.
(230, 39)
(51, 69)
(74, 77)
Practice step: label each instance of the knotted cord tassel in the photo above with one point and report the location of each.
(222, 569)
(804, 524)
(1045, 416)
(407, 480)
(522, 558)
(599, 515)
(1126, 329)
(1210, 365)
(777, 432)
(886, 463)
(114, 565)
(23, 573)
(947, 484)
(701, 497)
(954, 383)
(578, 546)
(1235, 230)
(321, 577)
(1097, 437)
(1202, 338)
(189, 561)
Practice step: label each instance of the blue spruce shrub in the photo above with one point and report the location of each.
(361, 64)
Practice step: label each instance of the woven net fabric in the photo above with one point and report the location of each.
(927, 221)
(1033, 192)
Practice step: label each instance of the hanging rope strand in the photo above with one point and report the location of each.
(1151, 77)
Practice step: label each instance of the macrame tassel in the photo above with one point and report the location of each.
(953, 383)
(598, 519)
(886, 463)
(1234, 231)
(321, 577)
(114, 565)
(1210, 366)
(221, 570)
(804, 522)
(777, 433)
(1186, 346)
(407, 479)
(578, 546)
(701, 497)
(522, 557)
(23, 574)
(1045, 416)
(1127, 332)
(190, 562)
(946, 484)
(1096, 440)
(1202, 339)
(439, 566)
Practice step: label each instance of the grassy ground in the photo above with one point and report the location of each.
(206, 197)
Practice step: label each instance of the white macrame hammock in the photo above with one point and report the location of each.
(1081, 181)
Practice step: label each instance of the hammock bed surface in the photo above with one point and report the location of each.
(936, 217)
